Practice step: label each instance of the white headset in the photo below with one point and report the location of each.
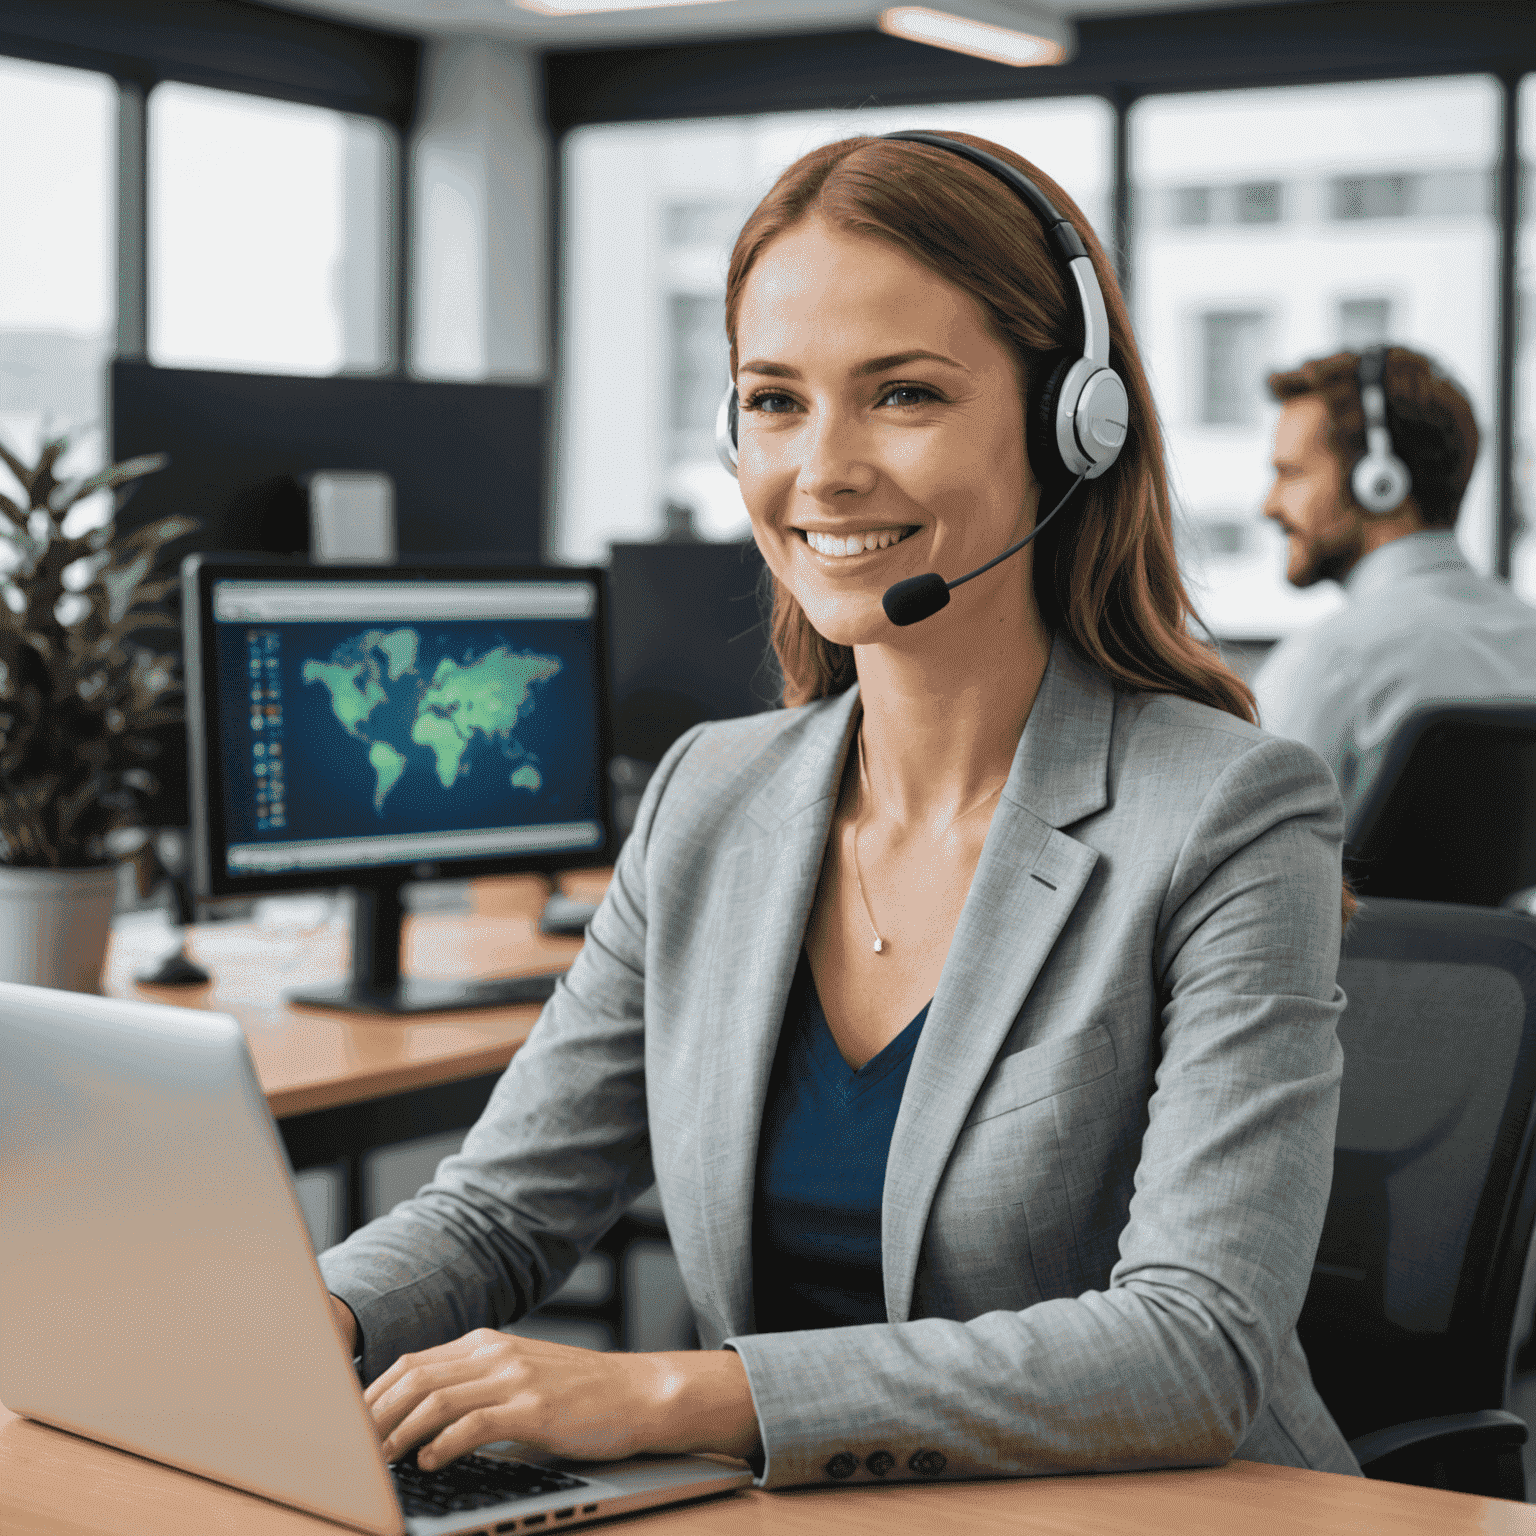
(1380, 481)
(1078, 425)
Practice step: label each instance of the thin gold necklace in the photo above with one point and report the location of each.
(858, 821)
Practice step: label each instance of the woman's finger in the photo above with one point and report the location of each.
(393, 1406)
(458, 1349)
(483, 1425)
(438, 1410)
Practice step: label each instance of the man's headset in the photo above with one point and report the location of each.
(1380, 481)
(1077, 427)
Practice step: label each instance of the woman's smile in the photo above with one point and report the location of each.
(857, 541)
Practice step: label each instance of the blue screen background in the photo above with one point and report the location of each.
(329, 783)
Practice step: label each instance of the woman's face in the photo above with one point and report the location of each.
(879, 414)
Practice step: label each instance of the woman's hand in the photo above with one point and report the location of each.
(582, 1403)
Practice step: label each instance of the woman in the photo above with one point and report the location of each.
(975, 1016)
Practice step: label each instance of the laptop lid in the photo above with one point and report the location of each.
(129, 1133)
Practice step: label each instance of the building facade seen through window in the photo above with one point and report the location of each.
(269, 246)
(1281, 224)
(58, 284)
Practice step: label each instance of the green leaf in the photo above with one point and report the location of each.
(71, 491)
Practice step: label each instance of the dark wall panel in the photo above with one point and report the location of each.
(229, 44)
(466, 459)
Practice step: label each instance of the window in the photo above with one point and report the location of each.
(643, 353)
(58, 268)
(1364, 323)
(1191, 206)
(1374, 197)
(1353, 247)
(1258, 202)
(268, 234)
(1234, 359)
(700, 359)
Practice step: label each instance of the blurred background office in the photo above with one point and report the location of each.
(474, 252)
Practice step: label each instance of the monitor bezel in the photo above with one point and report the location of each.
(211, 877)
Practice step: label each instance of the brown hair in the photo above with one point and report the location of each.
(1433, 430)
(1105, 571)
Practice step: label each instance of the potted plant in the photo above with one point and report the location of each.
(79, 696)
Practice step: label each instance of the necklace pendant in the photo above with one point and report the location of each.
(879, 945)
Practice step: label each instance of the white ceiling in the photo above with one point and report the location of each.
(689, 22)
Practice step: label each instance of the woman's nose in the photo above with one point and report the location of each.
(836, 460)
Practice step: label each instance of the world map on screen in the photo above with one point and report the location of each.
(382, 694)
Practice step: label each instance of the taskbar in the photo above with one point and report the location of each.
(409, 848)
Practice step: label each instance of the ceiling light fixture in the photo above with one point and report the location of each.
(589, 6)
(1002, 44)
(586, 7)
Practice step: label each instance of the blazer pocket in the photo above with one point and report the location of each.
(1042, 1071)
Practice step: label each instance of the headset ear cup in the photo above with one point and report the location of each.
(726, 419)
(1380, 483)
(1040, 434)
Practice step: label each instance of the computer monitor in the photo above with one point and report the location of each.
(689, 641)
(366, 728)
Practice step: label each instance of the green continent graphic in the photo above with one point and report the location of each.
(398, 646)
(388, 764)
(355, 690)
(486, 695)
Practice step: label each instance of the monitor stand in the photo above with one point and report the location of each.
(376, 985)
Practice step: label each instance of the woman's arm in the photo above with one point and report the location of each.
(1174, 1359)
(561, 1149)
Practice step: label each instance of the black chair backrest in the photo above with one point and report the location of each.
(1448, 811)
(1413, 1300)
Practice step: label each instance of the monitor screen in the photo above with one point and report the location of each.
(352, 725)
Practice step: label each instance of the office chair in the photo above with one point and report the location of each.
(1410, 1318)
(1449, 812)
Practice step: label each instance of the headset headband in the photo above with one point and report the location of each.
(1083, 411)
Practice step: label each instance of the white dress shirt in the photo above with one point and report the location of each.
(1420, 625)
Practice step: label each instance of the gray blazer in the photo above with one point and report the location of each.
(1108, 1174)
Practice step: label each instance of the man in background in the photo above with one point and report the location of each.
(1420, 624)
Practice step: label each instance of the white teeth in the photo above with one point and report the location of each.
(855, 543)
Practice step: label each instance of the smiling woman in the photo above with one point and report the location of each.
(974, 1015)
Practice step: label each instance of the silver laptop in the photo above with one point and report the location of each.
(158, 1291)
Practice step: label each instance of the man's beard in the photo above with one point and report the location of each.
(1327, 563)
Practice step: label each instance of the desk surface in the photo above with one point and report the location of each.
(53, 1484)
(317, 1058)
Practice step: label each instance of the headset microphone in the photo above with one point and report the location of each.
(920, 597)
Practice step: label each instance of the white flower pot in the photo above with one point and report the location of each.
(54, 925)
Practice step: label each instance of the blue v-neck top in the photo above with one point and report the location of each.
(821, 1172)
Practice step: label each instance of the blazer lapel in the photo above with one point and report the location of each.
(765, 898)
(1027, 882)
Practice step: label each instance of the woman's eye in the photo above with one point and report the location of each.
(770, 400)
(907, 394)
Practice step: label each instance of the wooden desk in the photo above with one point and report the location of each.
(53, 1484)
(342, 1084)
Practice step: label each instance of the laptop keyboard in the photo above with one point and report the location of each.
(473, 1482)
